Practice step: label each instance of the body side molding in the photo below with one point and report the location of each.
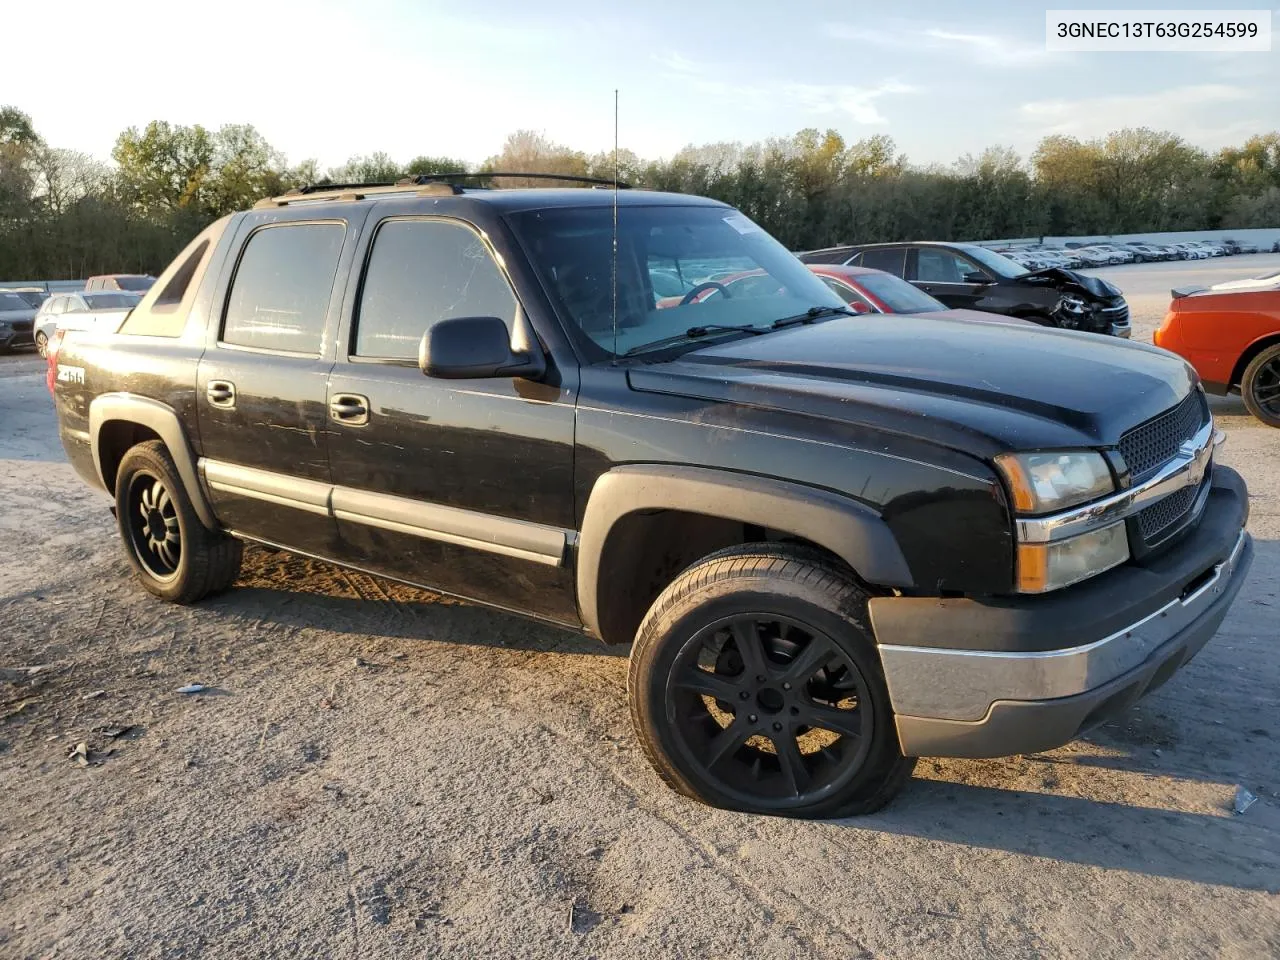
(850, 530)
(163, 419)
(535, 542)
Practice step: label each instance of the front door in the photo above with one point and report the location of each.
(461, 485)
(955, 280)
(261, 383)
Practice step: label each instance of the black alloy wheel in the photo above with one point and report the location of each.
(1260, 386)
(770, 710)
(152, 519)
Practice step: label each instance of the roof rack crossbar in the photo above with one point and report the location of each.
(424, 178)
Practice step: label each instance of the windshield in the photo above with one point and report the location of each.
(11, 301)
(997, 264)
(110, 301)
(678, 268)
(896, 294)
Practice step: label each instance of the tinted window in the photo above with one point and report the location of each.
(890, 261)
(110, 301)
(940, 266)
(137, 284)
(11, 301)
(281, 290)
(421, 272)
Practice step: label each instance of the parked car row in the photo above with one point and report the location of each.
(30, 315)
(1073, 255)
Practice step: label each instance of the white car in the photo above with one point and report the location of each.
(82, 311)
(1194, 250)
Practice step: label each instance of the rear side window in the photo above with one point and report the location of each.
(282, 285)
(890, 261)
(421, 272)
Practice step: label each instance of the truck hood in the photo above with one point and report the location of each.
(1069, 280)
(983, 388)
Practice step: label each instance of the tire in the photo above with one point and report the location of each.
(191, 561)
(42, 344)
(1260, 386)
(766, 644)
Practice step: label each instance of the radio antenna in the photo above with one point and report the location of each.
(614, 262)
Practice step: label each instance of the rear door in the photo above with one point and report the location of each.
(461, 485)
(262, 379)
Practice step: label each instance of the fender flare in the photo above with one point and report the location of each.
(162, 419)
(849, 529)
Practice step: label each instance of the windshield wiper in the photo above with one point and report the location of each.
(812, 314)
(694, 333)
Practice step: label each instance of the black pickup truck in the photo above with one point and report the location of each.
(835, 542)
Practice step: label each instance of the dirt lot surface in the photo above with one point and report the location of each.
(377, 772)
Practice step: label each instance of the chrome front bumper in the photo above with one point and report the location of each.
(990, 704)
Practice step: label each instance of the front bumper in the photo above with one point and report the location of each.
(984, 679)
(1122, 330)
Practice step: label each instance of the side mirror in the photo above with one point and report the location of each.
(976, 276)
(463, 348)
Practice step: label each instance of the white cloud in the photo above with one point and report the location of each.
(1194, 112)
(858, 103)
(984, 49)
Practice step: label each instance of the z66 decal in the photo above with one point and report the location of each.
(70, 374)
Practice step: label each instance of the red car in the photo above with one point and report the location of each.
(1230, 333)
(865, 291)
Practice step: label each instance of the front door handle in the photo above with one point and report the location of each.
(221, 393)
(349, 408)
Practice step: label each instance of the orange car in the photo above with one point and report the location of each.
(1230, 333)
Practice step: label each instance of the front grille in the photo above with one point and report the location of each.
(1149, 446)
(1164, 514)
(1118, 314)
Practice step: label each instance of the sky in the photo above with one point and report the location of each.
(328, 79)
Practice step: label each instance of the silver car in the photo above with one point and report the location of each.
(82, 311)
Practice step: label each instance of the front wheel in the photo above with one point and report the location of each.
(172, 553)
(1260, 386)
(755, 685)
(42, 344)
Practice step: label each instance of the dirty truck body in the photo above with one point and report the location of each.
(837, 542)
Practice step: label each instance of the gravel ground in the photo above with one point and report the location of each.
(377, 771)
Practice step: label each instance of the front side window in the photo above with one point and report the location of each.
(941, 266)
(678, 268)
(280, 293)
(421, 272)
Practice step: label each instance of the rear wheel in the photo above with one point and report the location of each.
(755, 686)
(172, 553)
(1260, 386)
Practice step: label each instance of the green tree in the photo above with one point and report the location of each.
(166, 167)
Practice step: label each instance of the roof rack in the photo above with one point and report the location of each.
(424, 178)
(428, 184)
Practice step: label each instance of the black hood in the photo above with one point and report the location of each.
(1065, 279)
(979, 387)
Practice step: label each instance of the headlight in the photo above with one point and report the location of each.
(1045, 482)
(1050, 566)
(1072, 304)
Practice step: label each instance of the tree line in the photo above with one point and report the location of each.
(65, 215)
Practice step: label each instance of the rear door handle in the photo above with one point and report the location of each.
(349, 408)
(221, 393)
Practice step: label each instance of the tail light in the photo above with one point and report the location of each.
(51, 358)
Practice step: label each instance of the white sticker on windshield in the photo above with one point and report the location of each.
(741, 224)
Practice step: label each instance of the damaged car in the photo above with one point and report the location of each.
(966, 276)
